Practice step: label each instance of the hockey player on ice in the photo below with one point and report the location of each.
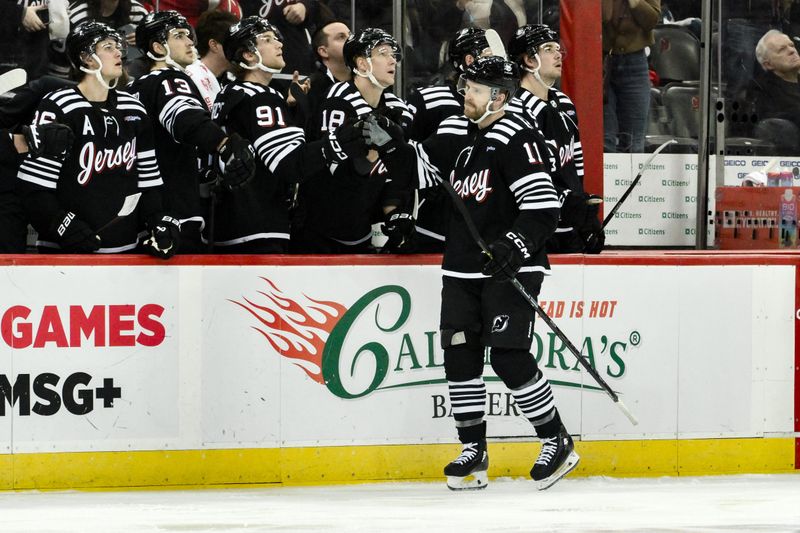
(184, 130)
(72, 201)
(498, 163)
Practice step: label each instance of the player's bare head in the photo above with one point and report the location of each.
(254, 44)
(328, 41)
(212, 30)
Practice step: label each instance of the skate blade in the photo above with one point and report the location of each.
(567, 467)
(474, 481)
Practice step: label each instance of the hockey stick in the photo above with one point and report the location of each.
(495, 43)
(462, 209)
(127, 208)
(593, 237)
(12, 79)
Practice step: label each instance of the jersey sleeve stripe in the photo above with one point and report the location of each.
(175, 107)
(273, 160)
(270, 140)
(146, 184)
(48, 183)
(427, 174)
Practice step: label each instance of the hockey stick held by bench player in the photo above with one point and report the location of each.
(128, 206)
(593, 237)
(462, 209)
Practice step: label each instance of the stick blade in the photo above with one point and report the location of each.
(129, 205)
(12, 79)
(496, 44)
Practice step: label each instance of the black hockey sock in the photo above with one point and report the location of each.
(474, 433)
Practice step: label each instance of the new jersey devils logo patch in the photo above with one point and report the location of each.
(500, 323)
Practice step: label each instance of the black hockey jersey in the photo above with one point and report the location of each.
(503, 175)
(557, 119)
(429, 106)
(259, 209)
(113, 156)
(342, 202)
(184, 126)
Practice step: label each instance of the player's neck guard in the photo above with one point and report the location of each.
(259, 65)
(98, 73)
(370, 76)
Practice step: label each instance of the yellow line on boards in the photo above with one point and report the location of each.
(358, 464)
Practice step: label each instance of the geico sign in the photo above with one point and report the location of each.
(76, 326)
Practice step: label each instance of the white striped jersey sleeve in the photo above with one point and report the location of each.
(172, 110)
(147, 168)
(275, 145)
(41, 171)
(535, 191)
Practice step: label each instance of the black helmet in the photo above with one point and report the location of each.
(495, 72)
(84, 38)
(469, 41)
(155, 28)
(242, 36)
(529, 38)
(362, 42)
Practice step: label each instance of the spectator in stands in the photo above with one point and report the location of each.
(210, 72)
(627, 31)
(122, 15)
(776, 93)
(24, 37)
(744, 22)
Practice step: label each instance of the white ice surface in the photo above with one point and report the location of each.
(731, 503)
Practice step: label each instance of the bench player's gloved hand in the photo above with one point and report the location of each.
(53, 141)
(507, 255)
(165, 236)
(400, 228)
(345, 142)
(382, 133)
(75, 236)
(239, 159)
(594, 238)
(579, 210)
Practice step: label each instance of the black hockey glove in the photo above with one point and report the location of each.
(345, 142)
(52, 141)
(594, 238)
(507, 255)
(74, 235)
(382, 133)
(579, 210)
(165, 237)
(400, 228)
(239, 159)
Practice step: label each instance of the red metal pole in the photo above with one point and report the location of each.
(582, 79)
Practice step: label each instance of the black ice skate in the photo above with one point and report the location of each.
(468, 470)
(556, 459)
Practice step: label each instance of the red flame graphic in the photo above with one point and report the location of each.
(297, 332)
